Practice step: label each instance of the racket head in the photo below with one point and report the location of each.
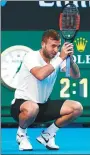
(69, 21)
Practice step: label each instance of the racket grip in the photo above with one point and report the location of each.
(68, 66)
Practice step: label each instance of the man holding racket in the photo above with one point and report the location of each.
(31, 102)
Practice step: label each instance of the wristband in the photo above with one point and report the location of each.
(56, 62)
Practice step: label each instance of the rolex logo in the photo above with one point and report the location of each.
(80, 44)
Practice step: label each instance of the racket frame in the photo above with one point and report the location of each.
(69, 39)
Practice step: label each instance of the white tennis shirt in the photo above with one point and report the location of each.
(29, 87)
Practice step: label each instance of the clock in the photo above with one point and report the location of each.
(11, 61)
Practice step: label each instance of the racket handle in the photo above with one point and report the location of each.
(68, 66)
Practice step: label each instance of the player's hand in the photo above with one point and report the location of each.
(67, 49)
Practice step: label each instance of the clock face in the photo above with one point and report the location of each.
(11, 61)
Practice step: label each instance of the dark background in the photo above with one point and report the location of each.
(21, 15)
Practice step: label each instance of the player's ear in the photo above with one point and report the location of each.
(43, 44)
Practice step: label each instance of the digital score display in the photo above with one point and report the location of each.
(73, 89)
(77, 89)
(66, 84)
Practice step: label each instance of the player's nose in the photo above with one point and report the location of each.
(55, 50)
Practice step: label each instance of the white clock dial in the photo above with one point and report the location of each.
(11, 60)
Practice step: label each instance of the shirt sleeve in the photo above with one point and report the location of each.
(31, 60)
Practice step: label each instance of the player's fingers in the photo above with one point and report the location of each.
(69, 48)
(68, 45)
(69, 52)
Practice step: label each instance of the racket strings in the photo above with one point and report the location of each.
(69, 21)
(69, 18)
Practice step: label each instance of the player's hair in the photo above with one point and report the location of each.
(50, 34)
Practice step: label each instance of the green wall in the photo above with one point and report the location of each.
(32, 39)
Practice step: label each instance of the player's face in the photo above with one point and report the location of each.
(50, 48)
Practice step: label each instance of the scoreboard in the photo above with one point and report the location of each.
(26, 26)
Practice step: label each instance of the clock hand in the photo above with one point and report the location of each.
(18, 69)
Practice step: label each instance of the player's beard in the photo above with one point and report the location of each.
(46, 54)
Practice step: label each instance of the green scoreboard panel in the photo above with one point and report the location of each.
(75, 89)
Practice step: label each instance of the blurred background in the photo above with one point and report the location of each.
(23, 23)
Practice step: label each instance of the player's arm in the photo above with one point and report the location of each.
(43, 72)
(75, 72)
(74, 69)
(40, 72)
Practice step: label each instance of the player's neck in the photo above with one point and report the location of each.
(47, 60)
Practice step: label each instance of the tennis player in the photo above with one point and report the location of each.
(31, 101)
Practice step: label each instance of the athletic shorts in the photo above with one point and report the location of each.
(48, 111)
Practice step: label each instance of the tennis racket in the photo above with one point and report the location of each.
(69, 23)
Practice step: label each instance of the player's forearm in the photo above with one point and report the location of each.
(74, 69)
(42, 72)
